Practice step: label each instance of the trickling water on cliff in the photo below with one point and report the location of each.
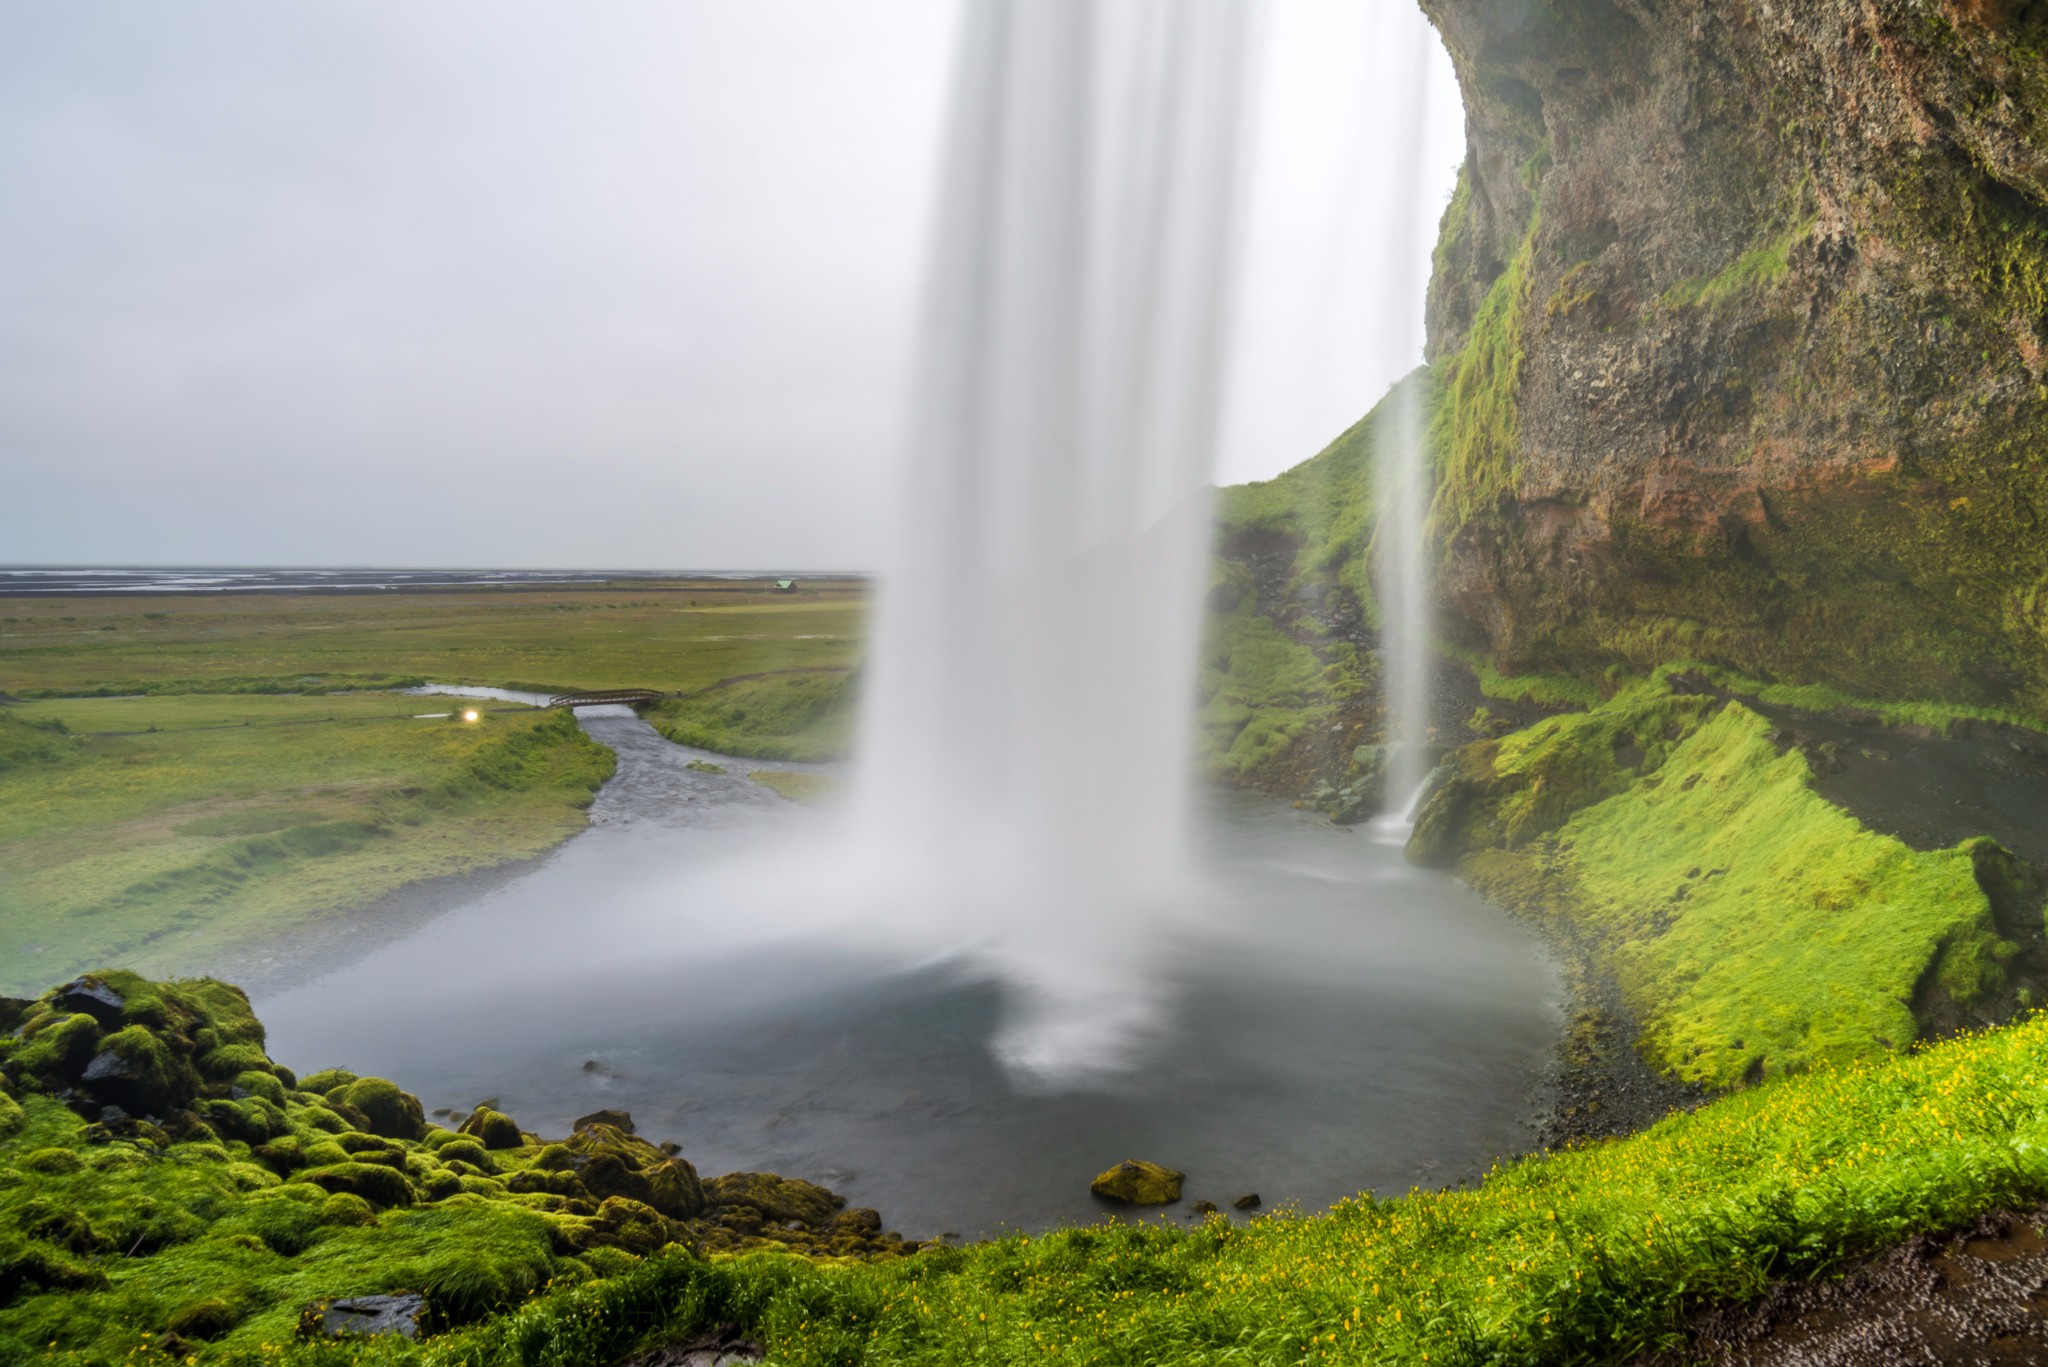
(1030, 700)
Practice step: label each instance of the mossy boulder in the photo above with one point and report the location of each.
(373, 1182)
(392, 1113)
(780, 1200)
(12, 1117)
(150, 1048)
(347, 1208)
(1135, 1182)
(463, 1149)
(611, 1162)
(134, 1070)
(492, 1129)
(207, 1319)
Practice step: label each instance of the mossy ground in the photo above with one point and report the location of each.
(163, 829)
(1585, 1255)
(204, 1236)
(1753, 927)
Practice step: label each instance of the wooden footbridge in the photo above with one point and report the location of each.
(618, 697)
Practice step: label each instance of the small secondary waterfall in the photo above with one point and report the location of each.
(1401, 474)
(1029, 703)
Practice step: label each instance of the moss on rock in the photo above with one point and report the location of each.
(1136, 1182)
(391, 1113)
(1752, 927)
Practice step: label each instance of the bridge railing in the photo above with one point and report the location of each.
(630, 697)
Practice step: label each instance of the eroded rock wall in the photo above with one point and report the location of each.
(1740, 329)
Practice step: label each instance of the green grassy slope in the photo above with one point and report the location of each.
(1753, 927)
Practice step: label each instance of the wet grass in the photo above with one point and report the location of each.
(1582, 1256)
(164, 830)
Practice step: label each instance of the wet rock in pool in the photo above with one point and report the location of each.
(1205, 1208)
(404, 1314)
(1135, 1182)
(1248, 1201)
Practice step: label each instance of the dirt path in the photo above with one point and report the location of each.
(1974, 1299)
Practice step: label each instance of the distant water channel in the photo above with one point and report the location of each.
(1340, 1021)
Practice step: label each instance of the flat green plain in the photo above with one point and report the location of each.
(225, 797)
(674, 637)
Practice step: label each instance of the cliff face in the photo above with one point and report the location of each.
(1740, 337)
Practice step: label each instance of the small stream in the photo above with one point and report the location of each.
(1337, 1020)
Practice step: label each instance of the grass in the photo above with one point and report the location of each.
(798, 785)
(167, 830)
(1261, 689)
(252, 792)
(1581, 1256)
(796, 714)
(1823, 698)
(1753, 927)
(680, 637)
(1475, 434)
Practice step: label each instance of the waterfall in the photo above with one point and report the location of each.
(1401, 471)
(1030, 693)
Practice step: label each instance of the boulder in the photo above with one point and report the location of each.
(611, 1162)
(778, 1199)
(1135, 1182)
(93, 997)
(492, 1129)
(378, 1185)
(390, 1112)
(618, 1120)
(1249, 1201)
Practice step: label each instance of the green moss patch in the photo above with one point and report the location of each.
(203, 1227)
(1753, 927)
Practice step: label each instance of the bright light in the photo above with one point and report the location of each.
(471, 714)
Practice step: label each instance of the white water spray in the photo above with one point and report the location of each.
(1031, 691)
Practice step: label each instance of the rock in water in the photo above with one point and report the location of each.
(1249, 1201)
(1138, 1183)
(404, 1314)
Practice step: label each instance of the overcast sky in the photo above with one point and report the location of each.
(492, 282)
